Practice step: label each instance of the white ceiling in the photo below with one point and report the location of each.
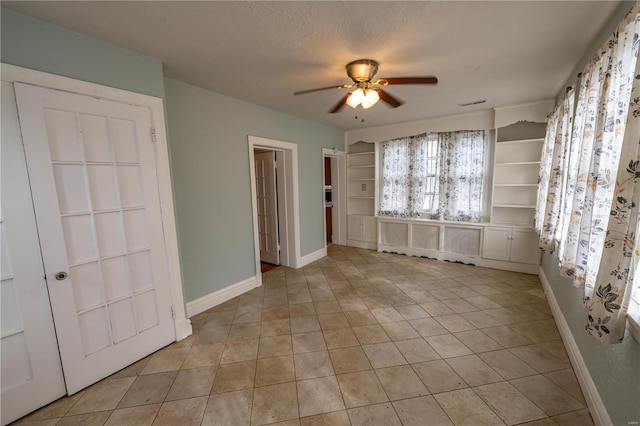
(262, 51)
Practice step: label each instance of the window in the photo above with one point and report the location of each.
(435, 175)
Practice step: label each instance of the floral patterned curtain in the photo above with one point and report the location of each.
(404, 164)
(555, 154)
(603, 182)
(461, 175)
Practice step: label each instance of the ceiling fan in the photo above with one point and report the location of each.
(366, 92)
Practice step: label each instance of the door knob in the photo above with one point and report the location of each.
(61, 275)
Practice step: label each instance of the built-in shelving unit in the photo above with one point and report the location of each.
(361, 174)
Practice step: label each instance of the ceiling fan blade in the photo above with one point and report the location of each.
(337, 107)
(408, 80)
(302, 92)
(394, 102)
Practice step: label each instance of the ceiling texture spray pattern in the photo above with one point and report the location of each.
(261, 52)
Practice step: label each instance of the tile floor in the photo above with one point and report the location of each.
(358, 337)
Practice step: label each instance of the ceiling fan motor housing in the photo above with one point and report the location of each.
(362, 69)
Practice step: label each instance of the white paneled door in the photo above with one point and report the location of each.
(92, 170)
(267, 201)
(31, 370)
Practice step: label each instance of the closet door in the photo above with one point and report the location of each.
(31, 370)
(267, 200)
(93, 178)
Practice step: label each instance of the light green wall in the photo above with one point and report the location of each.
(35, 44)
(210, 158)
(615, 369)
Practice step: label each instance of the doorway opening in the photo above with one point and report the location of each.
(334, 182)
(274, 198)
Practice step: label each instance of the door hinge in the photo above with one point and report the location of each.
(153, 134)
(173, 312)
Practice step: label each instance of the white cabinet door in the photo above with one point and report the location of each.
(267, 202)
(31, 370)
(369, 227)
(524, 246)
(93, 178)
(497, 243)
(354, 228)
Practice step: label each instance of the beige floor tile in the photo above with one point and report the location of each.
(379, 414)
(547, 396)
(304, 324)
(90, 419)
(274, 403)
(352, 304)
(412, 312)
(384, 315)
(438, 376)
(340, 338)
(464, 407)
(473, 370)
(271, 371)
(43, 422)
(401, 382)
(360, 318)
(327, 307)
(422, 410)
(301, 310)
(337, 418)
(349, 360)
(311, 365)
(555, 348)
(277, 327)
(244, 331)
(184, 412)
(541, 360)
(333, 321)
(400, 330)
(148, 389)
(139, 416)
(428, 327)
(165, 360)
(368, 334)
(538, 331)
(480, 319)
(383, 355)
(104, 395)
(443, 294)
(56, 409)
(509, 403)
(191, 383)
(506, 336)
(320, 395)
(543, 422)
(215, 334)
(507, 364)
(203, 355)
(454, 323)
(136, 368)
(504, 316)
(275, 312)
(308, 342)
(482, 302)
(447, 346)
(567, 381)
(361, 388)
(292, 422)
(416, 350)
(242, 350)
(459, 305)
(270, 347)
(436, 308)
(576, 418)
(233, 377)
(231, 408)
(477, 341)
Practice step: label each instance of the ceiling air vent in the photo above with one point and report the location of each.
(473, 103)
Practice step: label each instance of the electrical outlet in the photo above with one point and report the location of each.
(364, 186)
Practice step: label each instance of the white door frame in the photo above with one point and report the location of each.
(155, 105)
(338, 197)
(288, 206)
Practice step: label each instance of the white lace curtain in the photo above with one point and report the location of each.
(598, 247)
(446, 169)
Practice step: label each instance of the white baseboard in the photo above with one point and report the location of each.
(592, 396)
(311, 257)
(183, 329)
(362, 244)
(217, 297)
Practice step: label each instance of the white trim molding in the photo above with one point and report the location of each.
(155, 105)
(596, 406)
(216, 298)
(311, 257)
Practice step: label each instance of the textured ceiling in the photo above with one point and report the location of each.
(261, 52)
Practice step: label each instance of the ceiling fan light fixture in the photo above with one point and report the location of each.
(371, 97)
(356, 98)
